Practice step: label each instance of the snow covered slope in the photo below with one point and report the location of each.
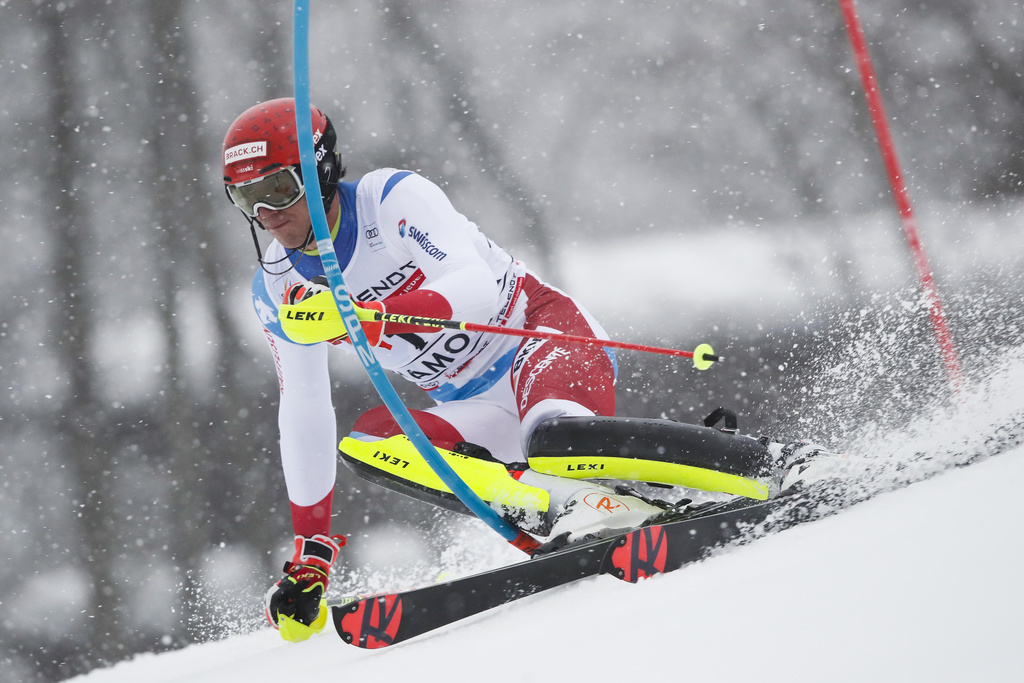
(919, 584)
(924, 583)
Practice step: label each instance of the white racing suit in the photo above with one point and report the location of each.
(400, 241)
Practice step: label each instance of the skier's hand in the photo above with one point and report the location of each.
(309, 315)
(300, 291)
(294, 604)
(373, 329)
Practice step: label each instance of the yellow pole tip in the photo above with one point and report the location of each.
(701, 354)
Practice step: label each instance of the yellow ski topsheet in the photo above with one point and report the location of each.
(636, 469)
(488, 479)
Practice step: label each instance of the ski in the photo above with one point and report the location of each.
(673, 541)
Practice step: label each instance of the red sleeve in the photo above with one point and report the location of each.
(425, 303)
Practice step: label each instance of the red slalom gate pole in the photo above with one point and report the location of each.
(901, 195)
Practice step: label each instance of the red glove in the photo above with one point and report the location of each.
(373, 329)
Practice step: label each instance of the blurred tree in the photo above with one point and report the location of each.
(80, 432)
(407, 28)
(602, 119)
(179, 221)
(209, 448)
(991, 71)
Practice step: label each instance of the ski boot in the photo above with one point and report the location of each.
(596, 511)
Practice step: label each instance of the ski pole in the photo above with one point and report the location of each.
(703, 356)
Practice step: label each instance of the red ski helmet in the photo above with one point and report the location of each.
(263, 140)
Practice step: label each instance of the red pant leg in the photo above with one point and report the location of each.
(544, 369)
(379, 422)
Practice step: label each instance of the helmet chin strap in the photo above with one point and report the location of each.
(310, 238)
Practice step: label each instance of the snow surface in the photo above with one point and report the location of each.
(920, 584)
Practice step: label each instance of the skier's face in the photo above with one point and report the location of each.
(288, 226)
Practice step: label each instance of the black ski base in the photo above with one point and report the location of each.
(669, 543)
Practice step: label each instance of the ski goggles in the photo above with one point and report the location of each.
(276, 191)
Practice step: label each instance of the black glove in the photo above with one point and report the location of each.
(293, 603)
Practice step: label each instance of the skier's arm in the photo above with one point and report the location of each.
(445, 246)
(308, 433)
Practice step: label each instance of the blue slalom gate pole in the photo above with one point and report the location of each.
(304, 129)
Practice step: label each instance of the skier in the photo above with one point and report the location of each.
(403, 248)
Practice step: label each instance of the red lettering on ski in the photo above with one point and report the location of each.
(641, 554)
(372, 622)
